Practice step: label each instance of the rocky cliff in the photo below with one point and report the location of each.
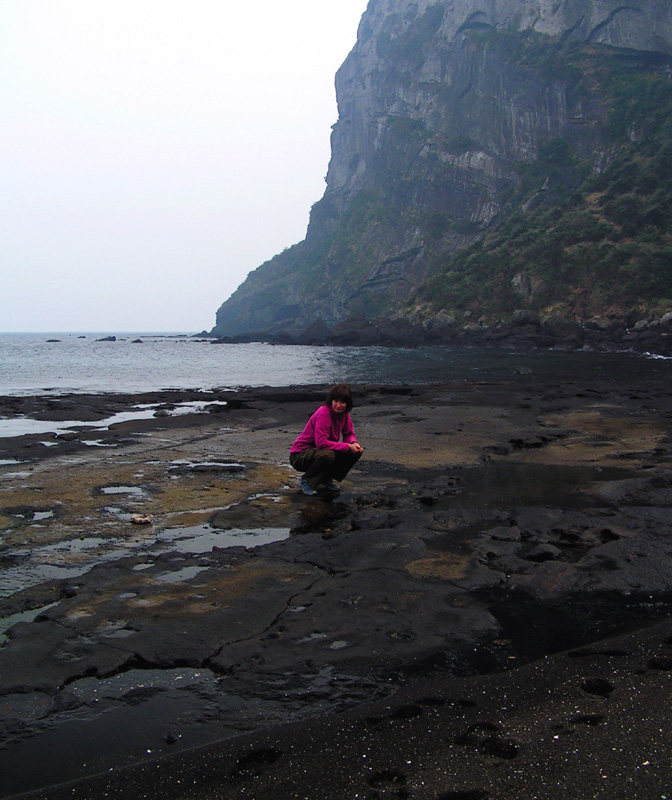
(488, 155)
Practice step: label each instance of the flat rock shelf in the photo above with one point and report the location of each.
(483, 612)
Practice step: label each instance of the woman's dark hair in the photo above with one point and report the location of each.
(340, 392)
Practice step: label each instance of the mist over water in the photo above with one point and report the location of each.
(30, 364)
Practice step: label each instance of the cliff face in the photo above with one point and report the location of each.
(415, 60)
(453, 116)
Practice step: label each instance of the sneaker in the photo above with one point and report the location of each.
(306, 488)
(332, 486)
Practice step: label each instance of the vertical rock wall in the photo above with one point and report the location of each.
(439, 117)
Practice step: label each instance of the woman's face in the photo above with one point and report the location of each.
(338, 406)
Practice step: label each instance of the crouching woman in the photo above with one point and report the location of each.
(319, 452)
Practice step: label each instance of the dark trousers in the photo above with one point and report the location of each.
(323, 465)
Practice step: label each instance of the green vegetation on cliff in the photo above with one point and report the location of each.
(479, 168)
(600, 242)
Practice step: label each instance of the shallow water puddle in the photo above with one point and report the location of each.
(74, 557)
(314, 637)
(117, 512)
(537, 629)
(180, 575)
(183, 466)
(60, 560)
(20, 426)
(117, 720)
(121, 633)
(506, 484)
(90, 690)
(204, 538)
(133, 491)
(24, 616)
(28, 514)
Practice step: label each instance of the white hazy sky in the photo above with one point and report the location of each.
(153, 152)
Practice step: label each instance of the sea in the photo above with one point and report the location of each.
(63, 363)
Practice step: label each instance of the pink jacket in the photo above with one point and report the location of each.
(324, 429)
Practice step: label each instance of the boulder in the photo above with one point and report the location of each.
(601, 324)
(560, 327)
(354, 331)
(316, 333)
(666, 320)
(524, 317)
(400, 332)
(522, 285)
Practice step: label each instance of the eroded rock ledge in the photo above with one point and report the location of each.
(525, 330)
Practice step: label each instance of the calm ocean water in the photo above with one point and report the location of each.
(30, 364)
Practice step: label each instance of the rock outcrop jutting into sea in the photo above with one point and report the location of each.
(489, 156)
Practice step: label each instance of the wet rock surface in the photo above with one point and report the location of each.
(405, 628)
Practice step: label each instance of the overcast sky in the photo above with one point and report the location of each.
(153, 152)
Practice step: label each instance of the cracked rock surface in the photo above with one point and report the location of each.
(438, 617)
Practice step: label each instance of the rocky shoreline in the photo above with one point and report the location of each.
(524, 330)
(483, 612)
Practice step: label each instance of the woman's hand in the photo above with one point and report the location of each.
(356, 447)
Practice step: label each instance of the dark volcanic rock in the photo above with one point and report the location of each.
(421, 571)
(469, 128)
(46, 655)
